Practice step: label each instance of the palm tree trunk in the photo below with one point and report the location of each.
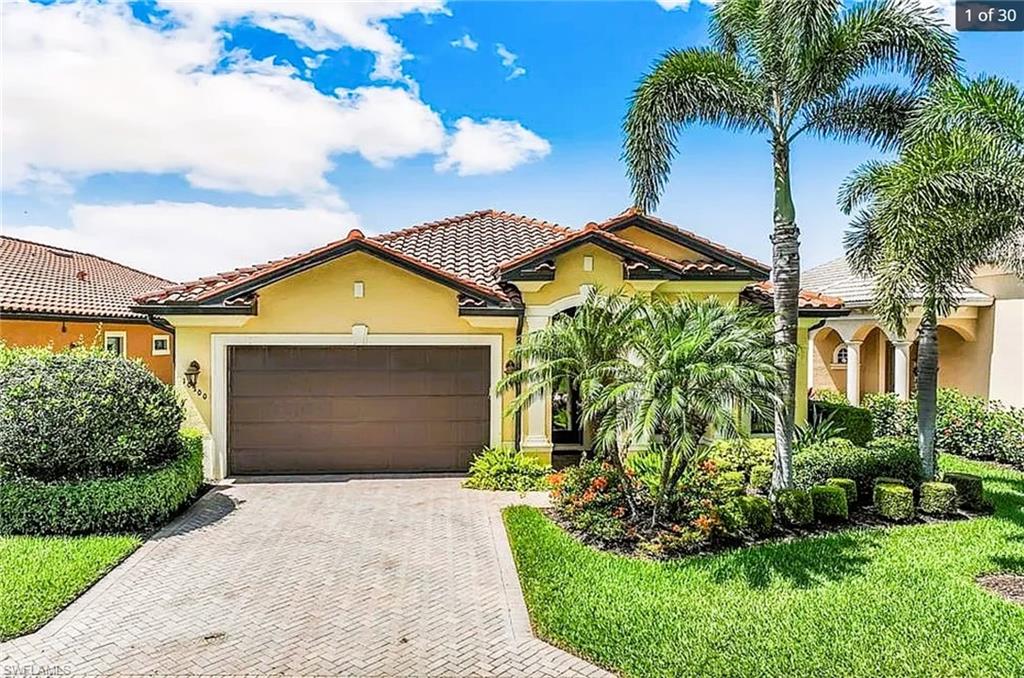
(927, 385)
(786, 279)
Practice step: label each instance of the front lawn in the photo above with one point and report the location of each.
(899, 601)
(40, 575)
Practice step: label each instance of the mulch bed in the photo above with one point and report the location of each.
(861, 518)
(1005, 585)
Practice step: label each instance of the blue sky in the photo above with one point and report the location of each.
(209, 126)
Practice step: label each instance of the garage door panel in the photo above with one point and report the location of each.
(351, 409)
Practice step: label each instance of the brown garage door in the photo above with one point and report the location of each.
(318, 409)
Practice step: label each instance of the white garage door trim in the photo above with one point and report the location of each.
(219, 344)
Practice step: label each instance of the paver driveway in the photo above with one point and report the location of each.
(325, 576)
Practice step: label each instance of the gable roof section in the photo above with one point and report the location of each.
(44, 280)
(640, 261)
(837, 279)
(236, 288)
(713, 250)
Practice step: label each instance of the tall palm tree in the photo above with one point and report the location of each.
(783, 68)
(954, 199)
(689, 368)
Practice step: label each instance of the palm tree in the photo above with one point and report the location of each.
(783, 68)
(954, 199)
(582, 349)
(690, 367)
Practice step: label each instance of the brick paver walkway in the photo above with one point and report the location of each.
(317, 576)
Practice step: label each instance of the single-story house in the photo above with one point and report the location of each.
(56, 296)
(382, 353)
(981, 344)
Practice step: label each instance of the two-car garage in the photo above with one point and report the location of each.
(352, 409)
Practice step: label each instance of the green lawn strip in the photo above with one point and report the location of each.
(897, 601)
(39, 576)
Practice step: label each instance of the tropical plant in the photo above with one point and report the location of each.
(816, 432)
(782, 68)
(579, 348)
(505, 468)
(951, 201)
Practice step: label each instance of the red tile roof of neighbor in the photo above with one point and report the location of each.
(469, 252)
(47, 280)
(809, 299)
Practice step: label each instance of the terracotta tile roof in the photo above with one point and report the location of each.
(38, 278)
(809, 300)
(623, 219)
(474, 245)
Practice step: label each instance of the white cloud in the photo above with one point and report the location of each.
(682, 4)
(465, 42)
(184, 241)
(88, 89)
(508, 60)
(318, 25)
(490, 146)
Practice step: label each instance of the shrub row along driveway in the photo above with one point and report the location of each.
(353, 577)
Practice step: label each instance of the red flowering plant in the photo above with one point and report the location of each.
(590, 497)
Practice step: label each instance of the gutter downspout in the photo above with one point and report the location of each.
(519, 389)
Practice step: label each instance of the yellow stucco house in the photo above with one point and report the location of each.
(981, 343)
(382, 353)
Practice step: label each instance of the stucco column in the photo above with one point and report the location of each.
(901, 369)
(811, 353)
(536, 434)
(853, 371)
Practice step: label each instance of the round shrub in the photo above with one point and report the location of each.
(83, 413)
(761, 478)
(969, 490)
(849, 487)
(742, 454)
(757, 513)
(131, 503)
(894, 501)
(504, 468)
(938, 499)
(829, 503)
(732, 482)
(795, 507)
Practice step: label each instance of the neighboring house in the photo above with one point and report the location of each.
(51, 295)
(981, 344)
(382, 353)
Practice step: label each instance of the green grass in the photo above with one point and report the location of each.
(40, 575)
(882, 602)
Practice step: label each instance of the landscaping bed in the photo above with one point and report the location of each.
(854, 602)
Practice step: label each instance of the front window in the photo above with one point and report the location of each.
(840, 356)
(161, 344)
(115, 342)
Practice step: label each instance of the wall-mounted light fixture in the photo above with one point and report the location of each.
(511, 367)
(192, 374)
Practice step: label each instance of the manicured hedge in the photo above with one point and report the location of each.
(82, 414)
(965, 425)
(129, 503)
(830, 503)
(839, 458)
(855, 422)
(795, 507)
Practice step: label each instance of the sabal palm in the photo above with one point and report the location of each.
(783, 68)
(953, 199)
(690, 368)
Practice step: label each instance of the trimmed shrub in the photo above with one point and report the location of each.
(732, 482)
(742, 454)
(128, 504)
(891, 416)
(894, 501)
(83, 413)
(938, 499)
(757, 513)
(504, 468)
(829, 503)
(795, 507)
(849, 487)
(830, 396)
(761, 478)
(854, 422)
(838, 458)
(969, 490)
